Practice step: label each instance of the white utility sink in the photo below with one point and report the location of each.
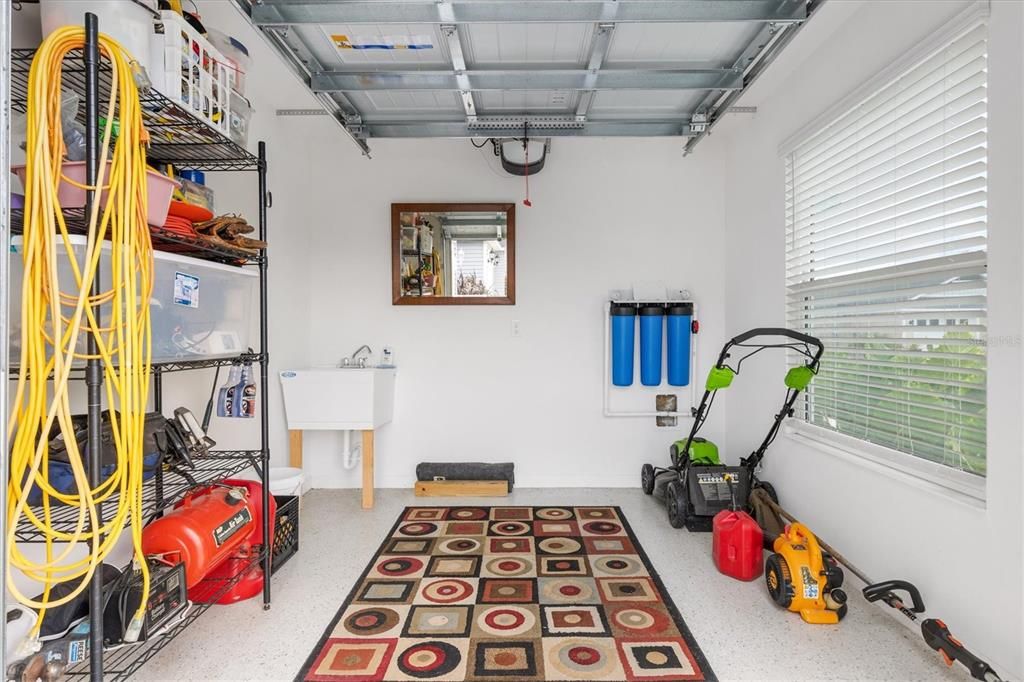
(338, 398)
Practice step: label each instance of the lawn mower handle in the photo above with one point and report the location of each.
(774, 331)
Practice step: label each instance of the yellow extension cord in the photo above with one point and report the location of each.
(52, 321)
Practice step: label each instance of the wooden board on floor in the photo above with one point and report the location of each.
(461, 488)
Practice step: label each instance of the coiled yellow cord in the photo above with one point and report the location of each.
(52, 322)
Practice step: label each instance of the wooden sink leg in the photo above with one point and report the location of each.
(295, 448)
(368, 469)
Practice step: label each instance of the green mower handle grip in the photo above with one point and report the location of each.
(937, 636)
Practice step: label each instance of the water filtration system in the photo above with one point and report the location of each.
(623, 323)
(652, 326)
(678, 332)
(666, 328)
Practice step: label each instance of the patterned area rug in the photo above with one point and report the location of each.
(508, 594)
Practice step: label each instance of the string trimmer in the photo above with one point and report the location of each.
(935, 633)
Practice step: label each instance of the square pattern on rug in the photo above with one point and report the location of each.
(508, 594)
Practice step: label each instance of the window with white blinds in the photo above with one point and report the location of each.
(885, 259)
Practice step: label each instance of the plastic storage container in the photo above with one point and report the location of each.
(159, 189)
(652, 320)
(237, 55)
(286, 480)
(736, 545)
(197, 193)
(126, 22)
(199, 309)
(189, 70)
(241, 113)
(678, 326)
(286, 531)
(623, 335)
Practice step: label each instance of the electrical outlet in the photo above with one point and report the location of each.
(515, 328)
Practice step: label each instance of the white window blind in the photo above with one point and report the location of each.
(885, 260)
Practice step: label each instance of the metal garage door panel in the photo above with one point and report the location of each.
(547, 101)
(715, 44)
(644, 104)
(437, 56)
(554, 44)
(394, 104)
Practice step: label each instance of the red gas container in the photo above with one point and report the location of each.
(206, 528)
(736, 545)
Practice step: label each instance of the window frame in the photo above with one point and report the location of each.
(959, 485)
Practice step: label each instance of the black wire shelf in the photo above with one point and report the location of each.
(158, 493)
(163, 240)
(188, 365)
(122, 662)
(176, 136)
(179, 365)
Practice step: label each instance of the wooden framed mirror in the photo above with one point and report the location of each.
(453, 254)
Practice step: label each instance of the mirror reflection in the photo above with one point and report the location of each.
(450, 252)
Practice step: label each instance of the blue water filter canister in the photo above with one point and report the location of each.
(623, 335)
(679, 324)
(652, 318)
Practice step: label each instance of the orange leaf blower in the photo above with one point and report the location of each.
(803, 578)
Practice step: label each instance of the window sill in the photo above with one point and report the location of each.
(940, 480)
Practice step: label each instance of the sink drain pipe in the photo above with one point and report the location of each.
(349, 457)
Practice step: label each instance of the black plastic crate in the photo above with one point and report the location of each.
(286, 530)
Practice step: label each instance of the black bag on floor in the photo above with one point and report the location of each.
(466, 471)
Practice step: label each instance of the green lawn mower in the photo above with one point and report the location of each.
(697, 485)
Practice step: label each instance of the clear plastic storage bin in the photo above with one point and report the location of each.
(199, 309)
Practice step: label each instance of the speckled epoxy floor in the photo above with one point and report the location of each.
(743, 634)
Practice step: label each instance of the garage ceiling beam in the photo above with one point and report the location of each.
(284, 12)
(538, 128)
(598, 51)
(300, 61)
(462, 84)
(552, 79)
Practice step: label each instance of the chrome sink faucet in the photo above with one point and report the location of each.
(355, 358)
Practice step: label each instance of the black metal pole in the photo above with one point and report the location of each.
(268, 541)
(93, 369)
(158, 406)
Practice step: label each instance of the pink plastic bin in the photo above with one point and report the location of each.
(159, 188)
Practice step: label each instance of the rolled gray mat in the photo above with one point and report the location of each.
(467, 471)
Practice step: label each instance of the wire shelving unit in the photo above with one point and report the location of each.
(181, 139)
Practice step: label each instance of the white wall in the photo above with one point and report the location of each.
(966, 560)
(605, 213)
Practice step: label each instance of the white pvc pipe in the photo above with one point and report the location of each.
(349, 457)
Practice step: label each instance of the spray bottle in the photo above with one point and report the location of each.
(226, 395)
(247, 394)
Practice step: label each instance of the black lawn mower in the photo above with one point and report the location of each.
(697, 485)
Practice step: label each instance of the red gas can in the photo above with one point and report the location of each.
(736, 545)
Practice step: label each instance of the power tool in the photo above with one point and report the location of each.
(803, 578)
(935, 633)
(168, 600)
